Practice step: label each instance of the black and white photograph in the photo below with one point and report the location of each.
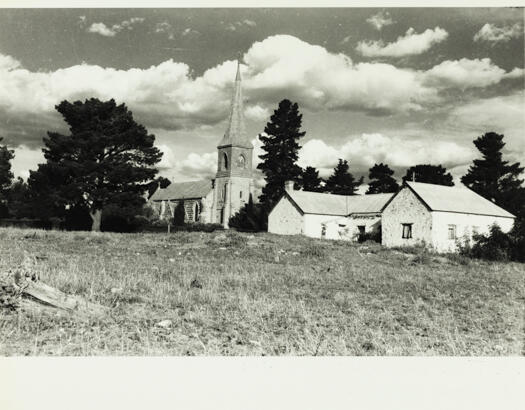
(262, 182)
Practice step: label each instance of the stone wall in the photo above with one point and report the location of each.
(285, 218)
(406, 208)
(347, 228)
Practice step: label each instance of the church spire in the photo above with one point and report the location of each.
(236, 132)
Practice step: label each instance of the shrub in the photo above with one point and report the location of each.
(497, 245)
(250, 218)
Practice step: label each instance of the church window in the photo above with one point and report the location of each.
(225, 160)
(241, 161)
(240, 194)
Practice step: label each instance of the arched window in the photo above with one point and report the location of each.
(241, 161)
(225, 160)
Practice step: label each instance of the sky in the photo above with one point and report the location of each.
(402, 86)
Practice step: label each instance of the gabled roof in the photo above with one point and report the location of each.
(330, 204)
(236, 132)
(183, 190)
(455, 199)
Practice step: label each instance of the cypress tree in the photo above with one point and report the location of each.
(381, 180)
(310, 180)
(494, 178)
(281, 147)
(342, 182)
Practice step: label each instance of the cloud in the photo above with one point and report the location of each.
(465, 73)
(257, 113)
(410, 44)
(103, 30)
(365, 150)
(380, 20)
(284, 65)
(501, 114)
(490, 32)
(26, 159)
(162, 27)
(239, 24)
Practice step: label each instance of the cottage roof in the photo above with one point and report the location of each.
(456, 199)
(236, 132)
(183, 190)
(330, 204)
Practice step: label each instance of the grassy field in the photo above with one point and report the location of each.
(240, 294)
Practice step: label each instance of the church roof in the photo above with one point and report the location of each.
(343, 205)
(455, 199)
(236, 132)
(183, 190)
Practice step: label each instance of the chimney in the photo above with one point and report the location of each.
(288, 186)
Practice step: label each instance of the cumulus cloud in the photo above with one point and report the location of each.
(492, 33)
(363, 151)
(465, 73)
(103, 30)
(26, 159)
(285, 65)
(410, 44)
(380, 20)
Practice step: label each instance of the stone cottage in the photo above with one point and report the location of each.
(321, 215)
(216, 200)
(439, 216)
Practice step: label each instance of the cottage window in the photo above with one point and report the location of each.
(407, 231)
(196, 212)
(240, 194)
(323, 231)
(452, 232)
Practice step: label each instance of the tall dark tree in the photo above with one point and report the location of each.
(342, 182)
(430, 174)
(107, 158)
(381, 180)
(281, 147)
(6, 176)
(249, 218)
(310, 180)
(18, 200)
(494, 178)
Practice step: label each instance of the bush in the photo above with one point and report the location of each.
(497, 245)
(251, 218)
(374, 236)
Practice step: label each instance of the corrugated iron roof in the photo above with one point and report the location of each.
(330, 204)
(456, 199)
(183, 190)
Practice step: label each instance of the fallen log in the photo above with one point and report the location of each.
(33, 290)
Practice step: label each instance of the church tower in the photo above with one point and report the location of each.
(233, 181)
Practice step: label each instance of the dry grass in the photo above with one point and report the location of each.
(236, 294)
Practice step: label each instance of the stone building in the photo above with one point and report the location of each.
(217, 199)
(439, 216)
(321, 215)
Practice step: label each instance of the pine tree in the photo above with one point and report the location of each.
(281, 151)
(107, 158)
(429, 174)
(342, 182)
(494, 178)
(310, 180)
(249, 218)
(6, 176)
(381, 180)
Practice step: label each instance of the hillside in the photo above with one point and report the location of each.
(240, 294)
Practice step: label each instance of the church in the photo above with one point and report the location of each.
(216, 200)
